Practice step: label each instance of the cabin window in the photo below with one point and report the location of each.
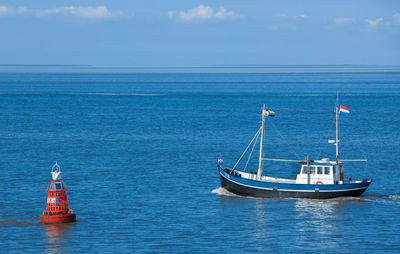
(334, 170)
(319, 170)
(312, 170)
(304, 170)
(327, 170)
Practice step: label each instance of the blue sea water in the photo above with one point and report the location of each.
(138, 149)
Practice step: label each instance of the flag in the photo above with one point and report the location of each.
(343, 109)
(220, 160)
(268, 113)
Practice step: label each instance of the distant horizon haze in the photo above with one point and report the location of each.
(195, 33)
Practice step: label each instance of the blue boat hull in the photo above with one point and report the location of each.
(253, 188)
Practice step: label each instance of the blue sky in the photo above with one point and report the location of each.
(193, 33)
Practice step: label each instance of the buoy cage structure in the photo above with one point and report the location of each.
(57, 209)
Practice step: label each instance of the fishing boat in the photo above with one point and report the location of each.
(317, 179)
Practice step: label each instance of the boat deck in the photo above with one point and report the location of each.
(253, 176)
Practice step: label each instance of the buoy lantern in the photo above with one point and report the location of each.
(57, 210)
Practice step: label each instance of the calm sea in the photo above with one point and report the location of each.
(138, 148)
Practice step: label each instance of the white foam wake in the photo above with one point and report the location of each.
(223, 192)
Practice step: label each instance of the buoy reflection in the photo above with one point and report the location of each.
(57, 235)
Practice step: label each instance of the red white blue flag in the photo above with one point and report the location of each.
(220, 160)
(344, 110)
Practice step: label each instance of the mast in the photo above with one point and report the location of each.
(337, 129)
(260, 170)
(308, 169)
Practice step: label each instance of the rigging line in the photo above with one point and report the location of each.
(254, 145)
(359, 146)
(357, 142)
(246, 149)
(283, 138)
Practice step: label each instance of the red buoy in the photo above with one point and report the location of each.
(57, 210)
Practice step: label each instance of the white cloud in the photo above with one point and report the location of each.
(203, 13)
(283, 21)
(373, 23)
(83, 12)
(281, 15)
(4, 10)
(344, 21)
(291, 17)
(396, 18)
(171, 14)
(301, 17)
(80, 12)
(7, 11)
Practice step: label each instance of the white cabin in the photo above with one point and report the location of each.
(321, 172)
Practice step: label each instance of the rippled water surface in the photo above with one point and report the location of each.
(138, 153)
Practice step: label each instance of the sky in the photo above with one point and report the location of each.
(198, 33)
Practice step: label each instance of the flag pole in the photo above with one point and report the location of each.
(337, 128)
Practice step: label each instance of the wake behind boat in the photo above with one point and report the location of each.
(319, 179)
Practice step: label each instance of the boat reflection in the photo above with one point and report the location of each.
(322, 217)
(57, 237)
